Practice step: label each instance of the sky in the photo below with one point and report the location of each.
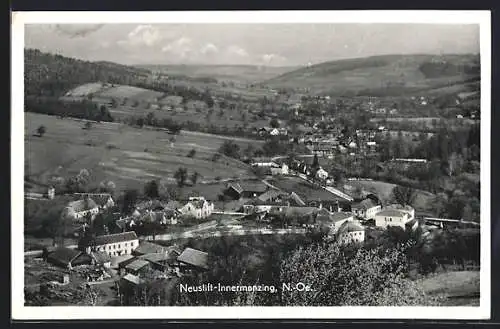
(247, 44)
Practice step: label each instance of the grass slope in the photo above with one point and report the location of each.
(384, 75)
(127, 156)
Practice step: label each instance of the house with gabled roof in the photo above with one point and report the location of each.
(336, 219)
(193, 259)
(366, 209)
(391, 217)
(197, 207)
(79, 210)
(68, 258)
(114, 244)
(350, 232)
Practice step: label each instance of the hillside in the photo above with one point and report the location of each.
(234, 73)
(384, 75)
(54, 75)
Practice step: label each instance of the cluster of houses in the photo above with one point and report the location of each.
(89, 205)
(125, 255)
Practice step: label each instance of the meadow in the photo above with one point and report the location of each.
(383, 190)
(126, 155)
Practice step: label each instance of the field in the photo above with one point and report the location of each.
(125, 155)
(384, 191)
(105, 91)
(382, 75)
(307, 191)
(459, 288)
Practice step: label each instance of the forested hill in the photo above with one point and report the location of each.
(53, 75)
(385, 75)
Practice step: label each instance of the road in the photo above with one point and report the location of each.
(232, 232)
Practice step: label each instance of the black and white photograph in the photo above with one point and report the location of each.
(195, 161)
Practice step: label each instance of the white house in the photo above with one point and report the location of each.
(321, 174)
(114, 244)
(339, 218)
(80, 209)
(391, 217)
(366, 209)
(350, 232)
(103, 200)
(274, 132)
(197, 207)
(407, 209)
(283, 170)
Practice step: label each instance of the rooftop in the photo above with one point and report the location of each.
(136, 264)
(64, 255)
(146, 247)
(350, 226)
(115, 238)
(194, 257)
(82, 205)
(365, 204)
(133, 279)
(338, 216)
(391, 213)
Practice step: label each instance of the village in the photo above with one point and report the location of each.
(137, 179)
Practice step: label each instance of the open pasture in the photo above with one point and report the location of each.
(125, 155)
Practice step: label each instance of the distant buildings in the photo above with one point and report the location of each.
(197, 207)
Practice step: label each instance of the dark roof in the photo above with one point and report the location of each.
(136, 265)
(158, 257)
(365, 204)
(270, 194)
(236, 187)
(146, 247)
(115, 238)
(64, 255)
(101, 257)
(253, 187)
(350, 226)
(194, 257)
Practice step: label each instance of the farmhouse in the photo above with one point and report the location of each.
(337, 219)
(68, 258)
(366, 209)
(245, 190)
(283, 170)
(350, 232)
(146, 247)
(103, 200)
(81, 208)
(391, 217)
(407, 209)
(114, 244)
(193, 259)
(197, 207)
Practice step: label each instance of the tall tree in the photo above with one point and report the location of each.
(181, 176)
(129, 200)
(404, 195)
(151, 189)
